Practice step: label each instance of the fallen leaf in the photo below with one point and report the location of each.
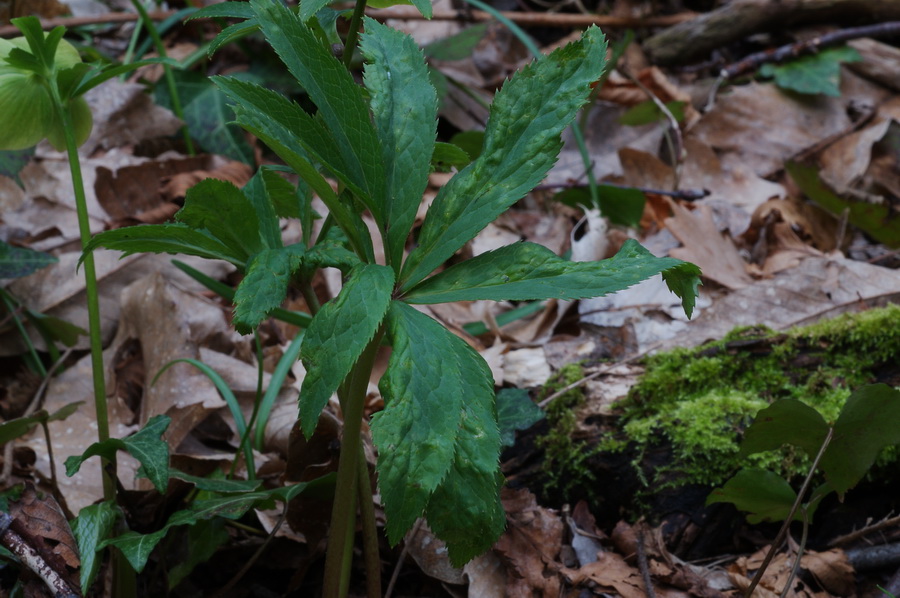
(530, 545)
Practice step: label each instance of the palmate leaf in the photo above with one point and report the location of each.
(405, 107)
(164, 238)
(438, 440)
(525, 271)
(338, 334)
(521, 144)
(339, 99)
(265, 285)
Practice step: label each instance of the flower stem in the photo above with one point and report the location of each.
(353, 34)
(343, 514)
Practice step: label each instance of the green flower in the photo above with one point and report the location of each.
(26, 102)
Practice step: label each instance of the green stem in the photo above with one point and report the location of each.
(343, 514)
(170, 78)
(369, 529)
(353, 34)
(32, 351)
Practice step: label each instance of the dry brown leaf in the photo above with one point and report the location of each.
(230, 171)
(530, 546)
(705, 246)
(880, 62)
(43, 520)
(46, 9)
(430, 553)
(642, 169)
(832, 570)
(487, 576)
(611, 573)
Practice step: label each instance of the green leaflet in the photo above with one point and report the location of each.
(145, 445)
(525, 271)
(787, 421)
(405, 107)
(465, 510)
(16, 262)
(764, 494)
(164, 238)
(278, 123)
(236, 10)
(338, 334)
(223, 210)
(520, 145)
(257, 191)
(265, 285)
(338, 98)
(93, 525)
(429, 374)
(17, 427)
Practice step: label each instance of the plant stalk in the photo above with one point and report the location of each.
(343, 514)
(353, 34)
(369, 529)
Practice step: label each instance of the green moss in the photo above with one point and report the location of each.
(699, 400)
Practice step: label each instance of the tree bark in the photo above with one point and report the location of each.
(694, 39)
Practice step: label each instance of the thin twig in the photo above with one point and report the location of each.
(598, 373)
(399, 565)
(32, 559)
(865, 531)
(249, 564)
(642, 563)
(683, 194)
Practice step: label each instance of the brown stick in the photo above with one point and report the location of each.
(525, 19)
(691, 40)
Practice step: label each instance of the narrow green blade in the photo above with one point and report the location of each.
(223, 210)
(265, 285)
(165, 238)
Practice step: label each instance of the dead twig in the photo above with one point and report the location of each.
(683, 194)
(642, 563)
(111, 18)
(860, 533)
(32, 559)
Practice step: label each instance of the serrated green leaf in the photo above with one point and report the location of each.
(223, 210)
(876, 219)
(16, 262)
(429, 374)
(405, 108)
(447, 156)
(265, 285)
(221, 10)
(164, 238)
(817, 73)
(622, 206)
(232, 33)
(279, 124)
(257, 192)
(145, 445)
(456, 47)
(521, 144)
(765, 495)
(787, 421)
(93, 525)
(338, 334)
(309, 8)
(515, 411)
(867, 424)
(331, 254)
(339, 99)
(525, 271)
(208, 116)
(284, 196)
(465, 510)
(221, 486)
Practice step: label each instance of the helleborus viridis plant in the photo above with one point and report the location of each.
(437, 437)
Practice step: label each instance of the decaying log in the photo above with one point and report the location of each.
(694, 39)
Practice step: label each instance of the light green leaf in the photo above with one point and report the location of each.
(816, 73)
(338, 334)
(465, 510)
(223, 210)
(447, 156)
(430, 373)
(16, 262)
(145, 445)
(457, 47)
(405, 107)
(515, 411)
(165, 238)
(521, 144)
(787, 421)
(18, 427)
(339, 99)
(867, 424)
(265, 285)
(524, 271)
(93, 525)
(765, 495)
(279, 124)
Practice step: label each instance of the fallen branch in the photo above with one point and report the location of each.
(690, 41)
(32, 559)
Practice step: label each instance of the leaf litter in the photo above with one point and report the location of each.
(768, 258)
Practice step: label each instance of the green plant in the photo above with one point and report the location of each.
(438, 437)
(843, 450)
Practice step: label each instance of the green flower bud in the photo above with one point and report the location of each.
(27, 113)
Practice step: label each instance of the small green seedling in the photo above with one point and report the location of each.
(438, 438)
(844, 451)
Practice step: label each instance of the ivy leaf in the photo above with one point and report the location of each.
(765, 495)
(816, 73)
(405, 107)
(429, 374)
(16, 262)
(525, 271)
(223, 210)
(93, 525)
(866, 425)
(338, 334)
(18, 427)
(521, 144)
(265, 285)
(165, 238)
(787, 421)
(515, 411)
(145, 445)
(339, 99)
